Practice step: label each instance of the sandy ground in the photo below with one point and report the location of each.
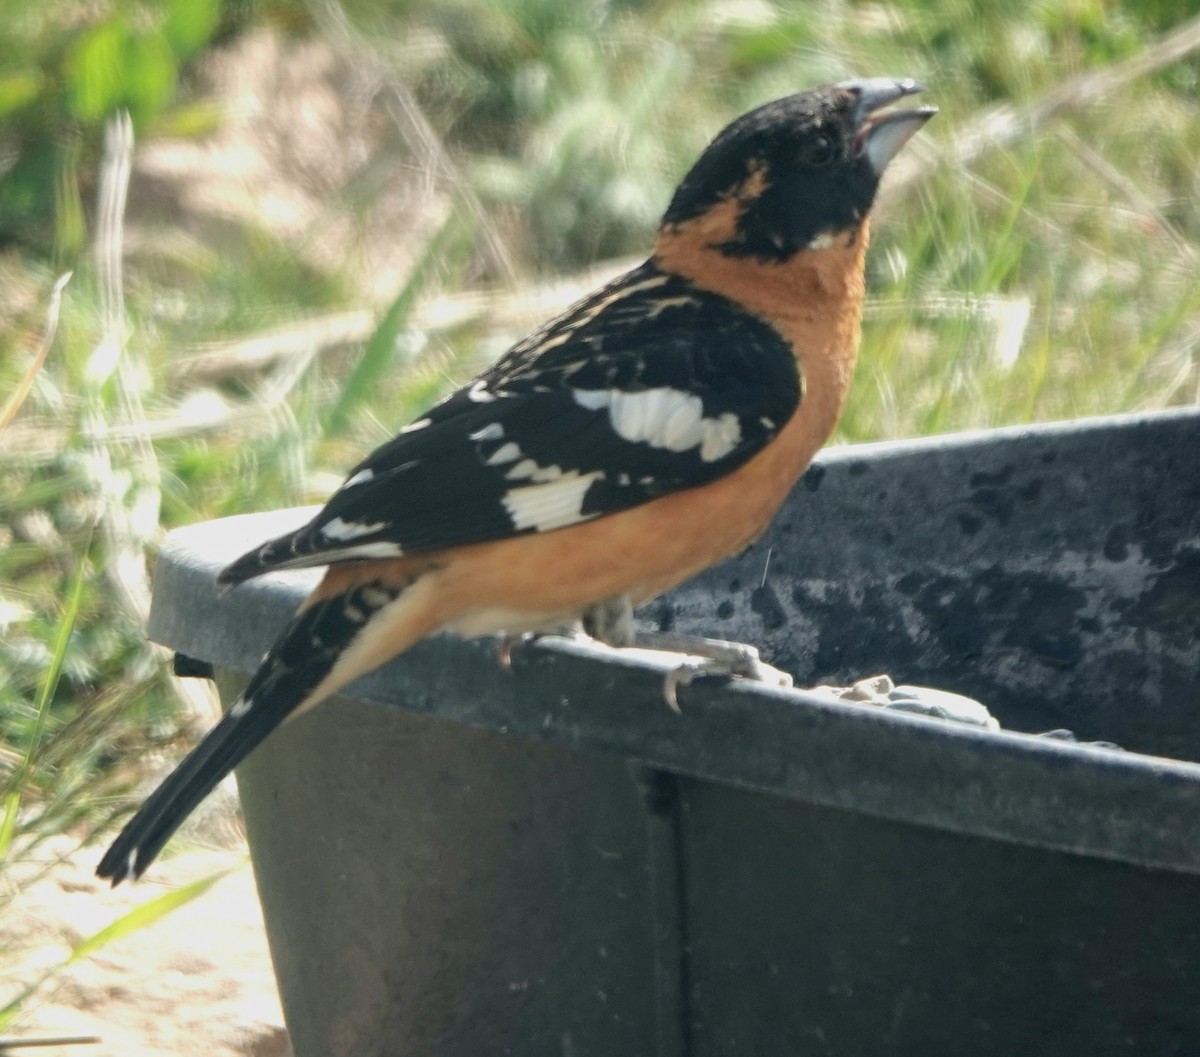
(198, 983)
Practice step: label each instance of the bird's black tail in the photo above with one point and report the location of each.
(225, 746)
(296, 666)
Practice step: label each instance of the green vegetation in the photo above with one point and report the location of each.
(1037, 258)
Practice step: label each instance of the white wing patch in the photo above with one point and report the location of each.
(492, 431)
(362, 477)
(342, 530)
(509, 451)
(593, 399)
(665, 418)
(524, 470)
(351, 551)
(528, 470)
(373, 549)
(553, 505)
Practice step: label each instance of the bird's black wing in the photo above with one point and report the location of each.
(649, 386)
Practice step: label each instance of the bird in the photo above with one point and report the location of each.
(641, 436)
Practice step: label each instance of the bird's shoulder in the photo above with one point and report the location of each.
(648, 328)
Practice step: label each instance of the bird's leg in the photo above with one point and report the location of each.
(509, 641)
(611, 622)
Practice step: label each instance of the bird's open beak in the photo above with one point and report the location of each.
(880, 136)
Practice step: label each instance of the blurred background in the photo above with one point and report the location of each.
(290, 225)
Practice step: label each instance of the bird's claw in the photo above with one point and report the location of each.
(505, 647)
(709, 657)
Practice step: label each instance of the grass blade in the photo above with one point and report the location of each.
(361, 387)
(147, 914)
(17, 397)
(66, 627)
(138, 918)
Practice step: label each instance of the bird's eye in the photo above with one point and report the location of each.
(818, 151)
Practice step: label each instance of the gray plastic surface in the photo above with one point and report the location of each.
(548, 862)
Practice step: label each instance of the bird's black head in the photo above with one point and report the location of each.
(797, 172)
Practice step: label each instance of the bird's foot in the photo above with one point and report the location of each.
(707, 658)
(610, 623)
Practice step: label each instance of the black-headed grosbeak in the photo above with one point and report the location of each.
(648, 432)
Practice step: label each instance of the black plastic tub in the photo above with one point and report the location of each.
(463, 861)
